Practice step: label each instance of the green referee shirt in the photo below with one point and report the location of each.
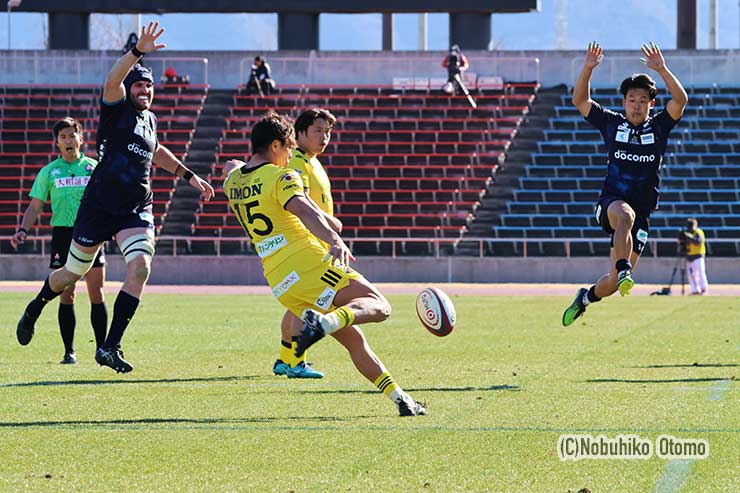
(65, 182)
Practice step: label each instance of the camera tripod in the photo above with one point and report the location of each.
(680, 264)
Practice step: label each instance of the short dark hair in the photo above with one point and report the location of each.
(692, 221)
(639, 81)
(66, 122)
(269, 128)
(307, 118)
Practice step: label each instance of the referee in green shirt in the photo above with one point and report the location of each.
(64, 180)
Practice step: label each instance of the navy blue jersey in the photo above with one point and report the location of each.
(127, 139)
(635, 154)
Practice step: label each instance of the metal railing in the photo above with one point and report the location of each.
(64, 69)
(480, 244)
(702, 70)
(380, 70)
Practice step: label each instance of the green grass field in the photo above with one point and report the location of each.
(202, 411)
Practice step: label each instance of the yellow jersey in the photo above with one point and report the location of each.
(258, 197)
(695, 249)
(314, 178)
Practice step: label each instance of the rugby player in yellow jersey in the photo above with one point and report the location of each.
(313, 133)
(310, 278)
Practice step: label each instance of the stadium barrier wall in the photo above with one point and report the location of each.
(226, 68)
(236, 270)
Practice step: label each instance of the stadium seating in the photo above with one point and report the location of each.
(27, 115)
(403, 163)
(700, 178)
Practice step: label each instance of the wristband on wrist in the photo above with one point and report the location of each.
(22, 229)
(137, 53)
(188, 175)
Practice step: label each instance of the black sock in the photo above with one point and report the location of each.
(67, 322)
(592, 298)
(286, 344)
(99, 321)
(39, 302)
(123, 311)
(623, 264)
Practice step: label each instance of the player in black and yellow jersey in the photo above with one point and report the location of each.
(305, 261)
(313, 132)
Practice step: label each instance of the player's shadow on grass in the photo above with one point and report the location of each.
(692, 365)
(667, 380)
(512, 388)
(51, 383)
(195, 422)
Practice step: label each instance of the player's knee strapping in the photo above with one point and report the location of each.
(137, 245)
(79, 262)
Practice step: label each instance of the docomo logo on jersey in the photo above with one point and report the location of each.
(134, 147)
(649, 158)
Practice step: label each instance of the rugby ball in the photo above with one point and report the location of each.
(436, 311)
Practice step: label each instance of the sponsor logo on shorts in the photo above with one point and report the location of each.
(325, 299)
(641, 235)
(270, 245)
(136, 149)
(71, 181)
(636, 158)
(285, 284)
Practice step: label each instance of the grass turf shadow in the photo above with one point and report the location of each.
(667, 380)
(512, 388)
(51, 383)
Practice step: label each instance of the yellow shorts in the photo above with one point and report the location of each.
(299, 286)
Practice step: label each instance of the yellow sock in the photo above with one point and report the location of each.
(286, 353)
(385, 383)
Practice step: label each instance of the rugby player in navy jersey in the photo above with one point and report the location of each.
(118, 199)
(635, 142)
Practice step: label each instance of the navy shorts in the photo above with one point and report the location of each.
(61, 239)
(95, 225)
(640, 230)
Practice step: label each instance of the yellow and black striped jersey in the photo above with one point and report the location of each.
(258, 197)
(314, 179)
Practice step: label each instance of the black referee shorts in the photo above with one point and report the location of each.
(61, 239)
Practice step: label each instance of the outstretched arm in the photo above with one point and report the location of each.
(582, 90)
(164, 158)
(113, 89)
(317, 224)
(654, 60)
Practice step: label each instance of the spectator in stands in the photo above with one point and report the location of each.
(260, 77)
(695, 242)
(635, 144)
(171, 77)
(118, 198)
(64, 180)
(455, 63)
(132, 40)
(305, 261)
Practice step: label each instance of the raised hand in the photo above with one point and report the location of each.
(148, 39)
(205, 188)
(594, 55)
(653, 57)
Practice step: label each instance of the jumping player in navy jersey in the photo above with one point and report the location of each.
(118, 199)
(635, 144)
